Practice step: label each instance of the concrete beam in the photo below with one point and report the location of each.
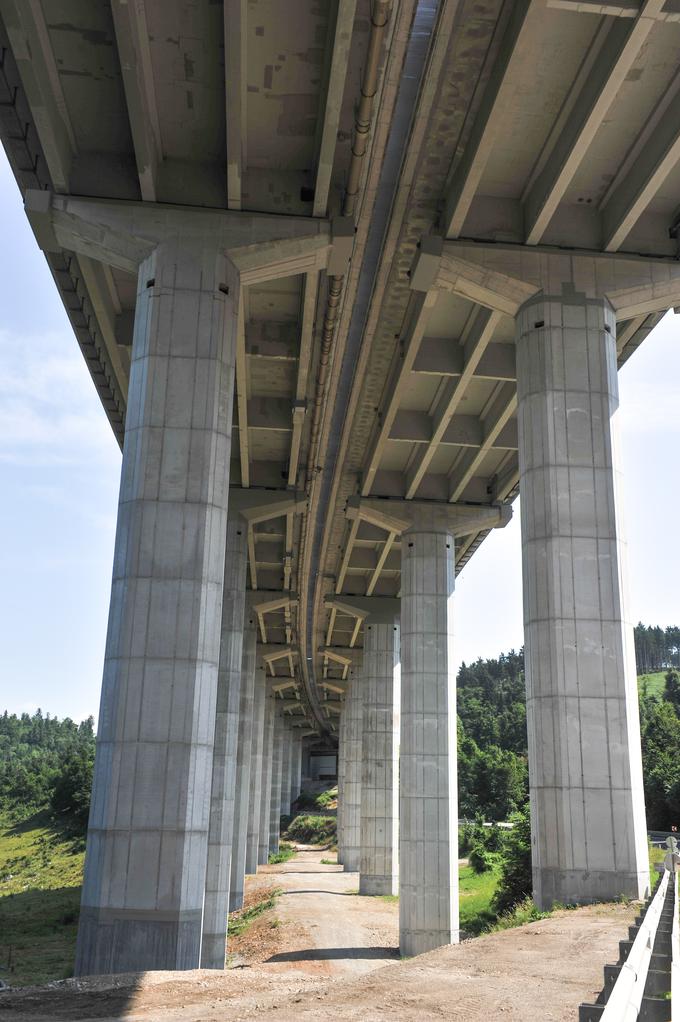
(479, 331)
(235, 55)
(491, 117)
(420, 307)
(299, 410)
(503, 404)
(377, 608)
(132, 40)
(462, 431)
(262, 505)
(330, 119)
(439, 357)
(261, 247)
(604, 69)
(654, 155)
(398, 516)
(29, 39)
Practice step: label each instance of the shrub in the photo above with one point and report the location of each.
(312, 830)
(515, 881)
(480, 859)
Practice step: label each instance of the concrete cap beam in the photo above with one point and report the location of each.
(400, 516)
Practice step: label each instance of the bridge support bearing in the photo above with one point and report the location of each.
(587, 801)
(267, 775)
(256, 766)
(428, 804)
(351, 817)
(244, 781)
(225, 752)
(380, 756)
(142, 905)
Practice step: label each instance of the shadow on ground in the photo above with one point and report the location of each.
(328, 954)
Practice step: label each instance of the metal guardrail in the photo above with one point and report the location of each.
(645, 983)
(675, 958)
(625, 1000)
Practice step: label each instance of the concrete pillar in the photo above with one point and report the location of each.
(295, 767)
(255, 801)
(380, 759)
(267, 771)
(244, 780)
(275, 799)
(428, 846)
(351, 816)
(221, 831)
(286, 764)
(587, 802)
(142, 901)
(340, 818)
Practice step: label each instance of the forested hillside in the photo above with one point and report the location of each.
(46, 763)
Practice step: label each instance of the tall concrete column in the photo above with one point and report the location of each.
(221, 831)
(142, 901)
(267, 772)
(295, 767)
(244, 780)
(340, 818)
(587, 802)
(286, 765)
(380, 758)
(255, 802)
(428, 846)
(277, 765)
(351, 815)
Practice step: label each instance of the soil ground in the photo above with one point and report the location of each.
(325, 953)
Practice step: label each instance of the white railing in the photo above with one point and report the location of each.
(625, 999)
(675, 961)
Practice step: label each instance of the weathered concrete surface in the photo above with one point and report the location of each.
(351, 813)
(585, 764)
(428, 797)
(225, 752)
(256, 770)
(143, 894)
(379, 866)
(244, 785)
(267, 774)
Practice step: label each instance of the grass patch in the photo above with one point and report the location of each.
(655, 682)
(284, 854)
(41, 872)
(329, 862)
(318, 801)
(392, 899)
(476, 893)
(241, 920)
(312, 829)
(520, 915)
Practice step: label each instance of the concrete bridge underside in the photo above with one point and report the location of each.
(348, 278)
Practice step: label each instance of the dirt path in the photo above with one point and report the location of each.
(325, 927)
(324, 954)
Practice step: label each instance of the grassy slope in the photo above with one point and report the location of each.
(655, 683)
(40, 878)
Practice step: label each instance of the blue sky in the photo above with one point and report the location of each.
(59, 472)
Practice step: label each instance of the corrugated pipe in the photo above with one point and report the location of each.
(362, 126)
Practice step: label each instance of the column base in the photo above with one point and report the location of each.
(119, 940)
(586, 887)
(351, 860)
(418, 942)
(214, 951)
(263, 855)
(374, 886)
(235, 900)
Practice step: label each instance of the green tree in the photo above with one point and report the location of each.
(515, 880)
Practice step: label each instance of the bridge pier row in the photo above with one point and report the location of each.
(225, 751)
(351, 817)
(428, 802)
(244, 778)
(142, 902)
(267, 774)
(256, 769)
(379, 864)
(277, 770)
(587, 802)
